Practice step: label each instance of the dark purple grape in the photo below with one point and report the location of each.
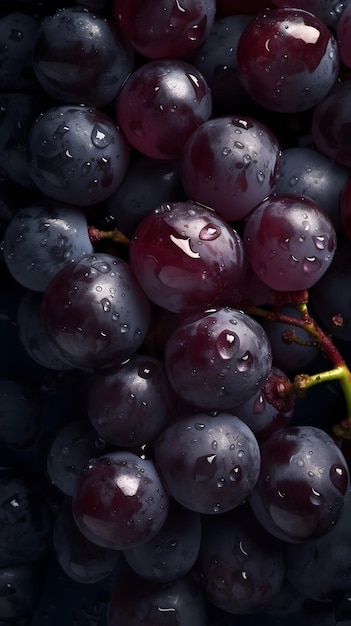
(331, 124)
(320, 568)
(160, 105)
(71, 450)
(288, 355)
(33, 335)
(77, 155)
(290, 242)
(18, 112)
(230, 164)
(288, 59)
(173, 551)
(25, 520)
(219, 360)
(41, 240)
(209, 464)
(302, 484)
(258, 412)
(135, 600)
(186, 257)
(307, 172)
(175, 31)
(120, 501)
(130, 404)
(287, 602)
(17, 33)
(216, 59)
(242, 566)
(80, 56)
(82, 560)
(148, 183)
(20, 588)
(95, 312)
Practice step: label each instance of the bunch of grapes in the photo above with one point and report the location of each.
(175, 266)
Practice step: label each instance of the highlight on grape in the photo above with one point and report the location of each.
(175, 270)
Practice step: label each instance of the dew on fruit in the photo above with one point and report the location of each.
(100, 138)
(320, 242)
(227, 344)
(311, 264)
(101, 266)
(124, 328)
(338, 477)
(316, 497)
(106, 305)
(261, 177)
(235, 474)
(226, 151)
(245, 362)
(210, 232)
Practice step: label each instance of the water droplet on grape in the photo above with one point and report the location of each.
(338, 477)
(316, 497)
(245, 362)
(241, 454)
(100, 138)
(311, 264)
(221, 483)
(235, 474)
(239, 144)
(227, 344)
(124, 328)
(261, 177)
(101, 266)
(320, 242)
(210, 232)
(226, 151)
(106, 305)
(145, 370)
(293, 261)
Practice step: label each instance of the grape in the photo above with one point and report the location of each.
(178, 603)
(131, 403)
(289, 355)
(307, 172)
(81, 559)
(330, 124)
(77, 154)
(175, 31)
(241, 564)
(20, 590)
(185, 256)
(79, 56)
(119, 501)
(173, 551)
(302, 485)
(230, 164)
(71, 449)
(94, 312)
(219, 360)
(33, 335)
(289, 241)
(216, 59)
(148, 183)
(209, 464)
(258, 412)
(160, 104)
(288, 60)
(41, 240)
(17, 32)
(320, 569)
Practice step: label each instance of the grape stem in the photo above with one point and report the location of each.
(302, 382)
(115, 235)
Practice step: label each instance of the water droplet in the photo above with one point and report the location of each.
(261, 177)
(293, 181)
(199, 426)
(214, 445)
(293, 261)
(227, 344)
(210, 232)
(98, 288)
(124, 328)
(115, 316)
(146, 370)
(316, 497)
(311, 264)
(241, 454)
(101, 266)
(246, 160)
(320, 242)
(239, 144)
(106, 305)
(226, 151)
(221, 483)
(100, 138)
(235, 474)
(338, 477)
(300, 463)
(245, 362)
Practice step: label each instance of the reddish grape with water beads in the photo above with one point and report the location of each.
(288, 60)
(290, 242)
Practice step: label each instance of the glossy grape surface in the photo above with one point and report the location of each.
(128, 405)
(186, 257)
(289, 241)
(330, 11)
(160, 104)
(209, 464)
(77, 154)
(218, 360)
(120, 501)
(302, 484)
(94, 312)
(175, 31)
(80, 56)
(230, 164)
(288, 60)
(41, 240)
(17, 34)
